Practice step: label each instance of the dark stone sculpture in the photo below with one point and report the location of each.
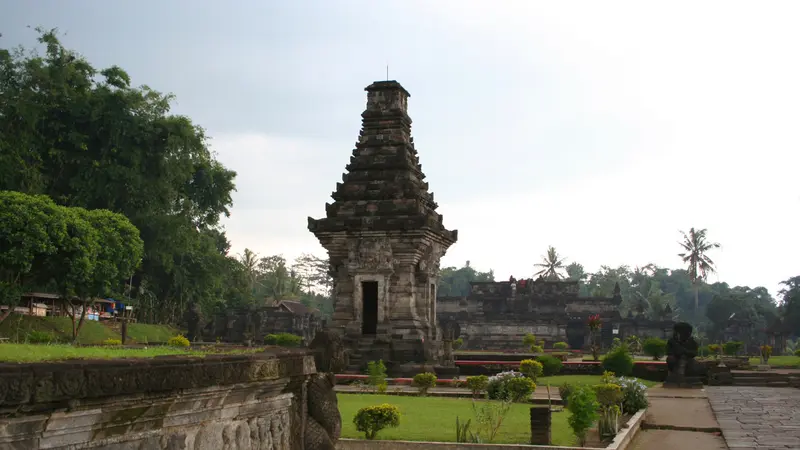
(192, 319)
(681, 351)
(324, 423)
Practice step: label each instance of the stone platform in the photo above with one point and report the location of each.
(761, 418)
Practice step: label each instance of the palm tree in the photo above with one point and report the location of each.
(249, 260)
(696, 247)
(550, 265)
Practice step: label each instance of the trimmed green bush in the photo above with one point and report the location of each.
(424, 381)
(531, 368)
(112, 342)
(458, 343)
(561, 346)
(178, 341)
(520, 389)
(537, 349)
(477, 384)
(372, 419)
(550, 365)
(732, 348)
(655, 347)
(564, 391)
(608, 394)
(283, 340)
(619, 361)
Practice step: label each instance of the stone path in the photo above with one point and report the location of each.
(687, 417)
(761, 418)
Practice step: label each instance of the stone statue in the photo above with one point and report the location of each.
(324, 423)
(681, 351)
(192, 318)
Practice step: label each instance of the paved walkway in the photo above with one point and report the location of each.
(678, 419)
(761, 418)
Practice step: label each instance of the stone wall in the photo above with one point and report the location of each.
(236, 325)
(234, 401)
(498, 315)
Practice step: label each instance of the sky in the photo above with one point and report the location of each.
(601, 128)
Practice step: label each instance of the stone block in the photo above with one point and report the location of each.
(541, 425)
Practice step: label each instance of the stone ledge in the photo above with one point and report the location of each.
(626, 435)
(48, 386)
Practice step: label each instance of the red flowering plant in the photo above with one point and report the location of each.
(595, 324)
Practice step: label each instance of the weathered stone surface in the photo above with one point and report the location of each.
(237, 325)
(385, 240)
(757, 417)
(497, 315)
(227, 401)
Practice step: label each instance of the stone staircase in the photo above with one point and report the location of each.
(762, 379)
(358, 358)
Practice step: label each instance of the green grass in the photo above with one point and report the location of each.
(782, 361)
(147, 334)
(22, 353)
(433, 419)
(17, 327)
(558, 380)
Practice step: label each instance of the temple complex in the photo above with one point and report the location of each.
(497, 315)
(384, 241)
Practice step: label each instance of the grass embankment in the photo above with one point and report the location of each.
(779, 361)
(21, 353)
(434, 419)
(17, 328)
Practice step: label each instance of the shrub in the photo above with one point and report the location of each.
(283, 339)
(561, 346)
(529, 340)
(634, 395)
(39, 337)
(178, 341)
(457, 344)
(531, 368)
(520, 389)
(766, 352)
(713, 349)
(424, 381)
(797, 352)
(477, 384)
(731, 348)
(112, 342)
(634, 343)
(608, 394)
(619, 361)
(498, 385)
(372, 419)
(583, 407)
(655, 347)
(550, 365)
(376, 375)
(564, 391)
(616, 342)
(456, 382)
(537, 349)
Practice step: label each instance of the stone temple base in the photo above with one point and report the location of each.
(683, 382)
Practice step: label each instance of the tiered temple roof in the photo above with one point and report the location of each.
(383, 188)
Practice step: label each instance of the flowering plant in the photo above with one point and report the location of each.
(594, 322)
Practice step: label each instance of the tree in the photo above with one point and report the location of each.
(550, 266)
(118, 253)
(32, 229)
(456, 281)
(790, 302)
(695, 255)
(87, 138)
(249, 260)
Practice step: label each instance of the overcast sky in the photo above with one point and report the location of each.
(601, 128)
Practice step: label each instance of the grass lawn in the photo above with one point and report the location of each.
(558, 380)
(54, 352)
(17, 327)
(783, 361)
(434, 419)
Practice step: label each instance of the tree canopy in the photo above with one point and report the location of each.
(87, 138)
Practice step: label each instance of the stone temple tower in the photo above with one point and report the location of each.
(384, 240)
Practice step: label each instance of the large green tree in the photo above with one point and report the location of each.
(455, 281)
(696, 246)
(89, 138)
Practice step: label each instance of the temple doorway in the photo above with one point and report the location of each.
(576, 334)
(369, 298)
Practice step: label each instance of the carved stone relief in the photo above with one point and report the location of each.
(429, 262)
(370, 254)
